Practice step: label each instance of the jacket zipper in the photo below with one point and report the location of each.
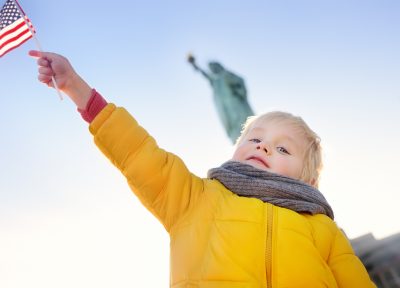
(268, 250)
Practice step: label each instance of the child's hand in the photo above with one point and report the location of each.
(68, 81)
(51, 64)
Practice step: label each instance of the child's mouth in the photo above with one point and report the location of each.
(258, 160)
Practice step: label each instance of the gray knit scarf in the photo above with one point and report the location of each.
(245, 180)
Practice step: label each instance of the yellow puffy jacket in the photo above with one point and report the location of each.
(219, 239)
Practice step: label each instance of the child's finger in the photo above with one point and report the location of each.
(43, 62)
(45, 58)
(40, 54)
(46, 71)
(44, 78)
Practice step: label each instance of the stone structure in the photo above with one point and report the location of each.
(381, 258)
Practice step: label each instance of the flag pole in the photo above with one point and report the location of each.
(37, 44)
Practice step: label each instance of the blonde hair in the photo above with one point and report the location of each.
(313, 153)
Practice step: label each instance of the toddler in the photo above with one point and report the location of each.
(258, 220)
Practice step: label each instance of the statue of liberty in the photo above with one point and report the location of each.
(230, 97)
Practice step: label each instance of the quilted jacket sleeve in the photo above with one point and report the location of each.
(159, 179)
(347, 268)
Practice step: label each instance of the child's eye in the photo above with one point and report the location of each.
(255, 140)
(283, 150)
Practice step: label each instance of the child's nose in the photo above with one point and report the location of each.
(264, 147)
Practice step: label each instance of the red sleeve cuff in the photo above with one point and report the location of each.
(95, 104)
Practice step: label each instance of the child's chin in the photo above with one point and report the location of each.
(258, 165)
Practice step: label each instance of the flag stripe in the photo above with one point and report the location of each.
(15, 44)
(11, 33)
(12, 28)
(15, 25)
(14, 36)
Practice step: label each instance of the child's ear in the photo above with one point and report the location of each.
(313, 182)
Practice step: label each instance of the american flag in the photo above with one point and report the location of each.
(13, 28)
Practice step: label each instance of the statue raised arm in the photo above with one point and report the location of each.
(230, 97)
(192, 61)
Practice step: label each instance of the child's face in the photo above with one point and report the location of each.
(273, 146)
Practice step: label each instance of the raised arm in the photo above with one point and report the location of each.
(160, 179)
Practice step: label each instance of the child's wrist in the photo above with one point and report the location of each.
(78, 90)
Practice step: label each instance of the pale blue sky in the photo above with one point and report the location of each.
(67, 218)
